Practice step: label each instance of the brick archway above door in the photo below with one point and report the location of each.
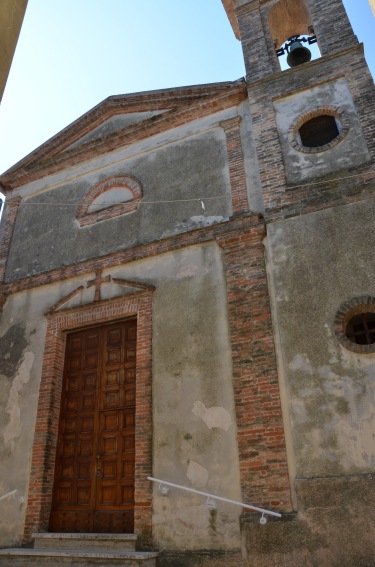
(46, 429)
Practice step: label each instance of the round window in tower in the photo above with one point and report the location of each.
(319, 130)
(355, 325)
(360, 329)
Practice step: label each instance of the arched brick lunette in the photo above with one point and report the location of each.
(127, 182)
(59, 323)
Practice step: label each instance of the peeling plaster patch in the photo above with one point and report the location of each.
(299, 412)
(213, 417)
(197, 221)
(330, 343)
(188, 271)
(301, 362)
(197, 474)
(279, 249)
(13, 428)
(12, 345)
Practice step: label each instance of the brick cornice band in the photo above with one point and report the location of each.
(231, 124)
(243, 224)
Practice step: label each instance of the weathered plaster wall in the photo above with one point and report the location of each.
(333, 528)
(189, 162)
(115, 123)
(195, 434)
(193, 168)
(194, 424)
(351, 151)
(22, 334)
(317, 262)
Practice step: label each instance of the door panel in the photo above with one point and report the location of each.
(95, 463)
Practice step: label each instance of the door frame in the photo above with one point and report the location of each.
(59, 323)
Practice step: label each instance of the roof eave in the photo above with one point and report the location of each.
(229, 8)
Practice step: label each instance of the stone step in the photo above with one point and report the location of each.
(88, 542)
(75, 558)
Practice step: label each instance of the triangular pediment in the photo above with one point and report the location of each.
(98, 289)
(118, 121)
(114, 124)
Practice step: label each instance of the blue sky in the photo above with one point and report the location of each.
(72, 54)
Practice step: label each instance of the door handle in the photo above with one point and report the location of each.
(99, 470)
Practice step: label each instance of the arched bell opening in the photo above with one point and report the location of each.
(292, 33)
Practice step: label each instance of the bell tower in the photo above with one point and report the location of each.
(264, 25)
(313, 130)
(309, 120)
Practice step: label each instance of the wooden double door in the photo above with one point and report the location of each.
(95, 461)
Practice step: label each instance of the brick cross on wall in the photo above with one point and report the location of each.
(97, 282)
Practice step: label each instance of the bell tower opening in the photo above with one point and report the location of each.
(292, 33)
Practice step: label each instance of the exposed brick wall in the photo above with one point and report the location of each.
(237, 174)
(260, 430)
(46, 428)
(329, 19)
(331, 25)
(254, 45)
(11, 208)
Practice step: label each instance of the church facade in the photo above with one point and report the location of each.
(187, 294)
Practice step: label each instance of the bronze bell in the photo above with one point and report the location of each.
(298, 54)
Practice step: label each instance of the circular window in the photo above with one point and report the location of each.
(319, 130)
(361, 329)
(355, 325)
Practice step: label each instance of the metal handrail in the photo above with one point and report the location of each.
(214, 497)
(8, 494)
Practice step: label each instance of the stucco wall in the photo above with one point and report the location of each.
(194, 424)
(188, 169)
(317, 262)
(351, 151)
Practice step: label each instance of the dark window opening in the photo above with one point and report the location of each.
(361, 329)
(319, 131)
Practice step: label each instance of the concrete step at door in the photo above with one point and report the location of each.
(75, 557)
(93, 542)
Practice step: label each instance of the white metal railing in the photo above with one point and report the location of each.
(215, 497)
(8, 494)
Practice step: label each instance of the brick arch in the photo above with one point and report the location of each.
(127, 182)
(313, 113)
(356, 305)
(46, 428)
(287, 18)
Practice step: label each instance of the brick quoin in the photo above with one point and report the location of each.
(11, 208)
(47, 420)
(236, 166)
(260, 429)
